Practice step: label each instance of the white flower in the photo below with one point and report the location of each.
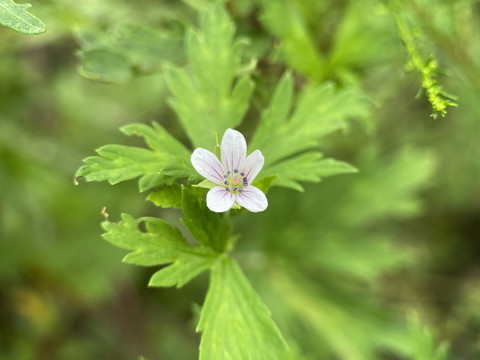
(233, 174)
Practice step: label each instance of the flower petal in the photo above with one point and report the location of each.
(253, 165)
(208, 165)
(233, 149)
(219, 200)
(252, 199)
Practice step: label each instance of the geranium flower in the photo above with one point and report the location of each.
(233, 175)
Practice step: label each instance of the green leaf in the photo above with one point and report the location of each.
(105, 65)
(234, 322)
(208, 228)
(320, 111)
(206, 97)
(16, 17)
(388, 187)
(119, 163)
(303, 303)
(423, 342)
(346, 242)
(306, 167)
(353, 49)
(286, 21)
(167, 196)
(158, 139)
(179, 167)
(159, 244)
(357, 254)
(167, 160)
(265, 182)
(276, 115)
(118, 56)
(283, 136)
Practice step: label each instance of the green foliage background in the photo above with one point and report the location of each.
(341, 266)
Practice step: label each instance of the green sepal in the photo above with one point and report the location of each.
(217, 150)
(206, 184)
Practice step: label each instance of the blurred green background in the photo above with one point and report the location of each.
(341, 265)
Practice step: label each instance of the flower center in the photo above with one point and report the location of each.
(235, 181)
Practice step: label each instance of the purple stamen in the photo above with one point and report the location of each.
(234, 189)
(242, 174)
(226, 182)
(225, 176)
(235, 171)
(229, 172)
(227, 189)
(240, 190)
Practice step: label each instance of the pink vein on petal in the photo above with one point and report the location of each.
(211, 167)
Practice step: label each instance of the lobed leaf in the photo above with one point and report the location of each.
(234, 322)
(118, 56)
(276, 115)
(357, 254)
(159, 244)
(118, 163)
(389, 188)
(337, 220)
(206, 97)
(284, 134)
(335, 318)
(167, 160)
(286, 21)
(265, 182)
(106, 65)
(16, 17)
(423, 342)
(157, 138)
(319, 111)
(309, 166)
